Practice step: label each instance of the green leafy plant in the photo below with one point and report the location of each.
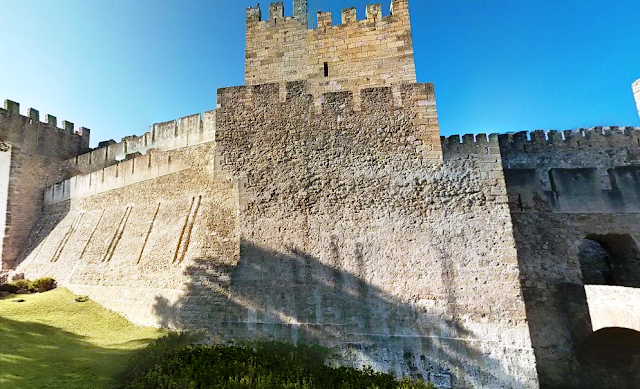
(44, 283)
(262, 366)
(24, 284)
(160, 349)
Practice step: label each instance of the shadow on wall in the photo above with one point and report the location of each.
(38, 240)
(294, 297)
(607, 358)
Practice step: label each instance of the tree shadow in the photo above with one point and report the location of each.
(294, 297)
(37, 355)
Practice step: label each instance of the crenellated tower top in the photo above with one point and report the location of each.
(374, 51)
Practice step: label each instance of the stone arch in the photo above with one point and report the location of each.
(611, 347)
(602, 310)
(612, 259)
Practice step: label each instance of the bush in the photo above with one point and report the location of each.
(265, 366)
(9, 288)
(24, 284)
(160, 349)
(41, 284)
(44, 283)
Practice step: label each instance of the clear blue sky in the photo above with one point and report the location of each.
(117, 66)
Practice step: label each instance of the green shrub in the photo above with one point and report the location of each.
(263, 366)
(9, 288)
(44, 283)
(24, 284)
(160, 349)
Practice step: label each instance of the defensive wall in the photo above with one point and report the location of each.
(334, 227)
(31, 155)
(330, 211)
(187, 131)
(574, 207)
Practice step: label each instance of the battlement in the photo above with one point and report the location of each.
(131, 171)
(32, 134)
(277, 11)
(186, 131)
(373, 13)
(584, 138)
(400, 96)
(528, 142)
(356, 54)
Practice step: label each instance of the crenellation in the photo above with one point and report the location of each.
(67, 127)
(374, 11)
(349, 15)
(254, 15)
(300, 11)
(325, 20)
(400, 8)
(12, 107)
(375, 98)
(455, 146)
(51, 120)
(186, 131)
(33, 114)
(571, 139)
(276, 11)
(135, 168)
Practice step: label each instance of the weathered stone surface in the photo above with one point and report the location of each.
(326, 209)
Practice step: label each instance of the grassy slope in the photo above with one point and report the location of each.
(51, 341)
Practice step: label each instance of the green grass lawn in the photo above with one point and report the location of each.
(51, 341)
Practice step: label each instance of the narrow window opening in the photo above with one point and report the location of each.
(326, 69)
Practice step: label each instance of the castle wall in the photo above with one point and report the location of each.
(375, 51)
(564, 188)
(141, 168)
(135, 246)
(36, 153)
(335, 228)
(350, 237)
(187, 131)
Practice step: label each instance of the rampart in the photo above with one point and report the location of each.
(295, 224)
(32, 155)
(418, 100)
(140, 168)
(575, 210)
(45, 139)
(187, 131)
(356, 54)
(319, 204)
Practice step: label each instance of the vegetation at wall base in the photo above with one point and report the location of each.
(261, 366)
(40, 285)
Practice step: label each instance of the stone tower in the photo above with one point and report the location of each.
(32, 154)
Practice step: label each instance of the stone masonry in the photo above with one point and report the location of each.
(318, 204)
